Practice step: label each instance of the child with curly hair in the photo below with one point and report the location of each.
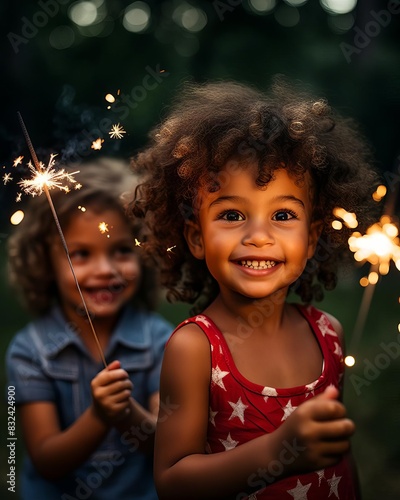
(88, 430)
(243, 185)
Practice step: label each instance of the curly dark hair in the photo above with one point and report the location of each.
(212, 123)
(106, 184)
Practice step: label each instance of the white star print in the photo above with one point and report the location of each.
(229, 443)
(238, 410)
(310, 388)
(338, 349)
(202, 319)
(288, 410)
(217, 375)
(321, 475)
(300, 492)
(212, 416)
(268, 391)
(325, 326)
(333, 485)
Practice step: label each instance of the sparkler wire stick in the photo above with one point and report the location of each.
(64, 243)
(363, 311)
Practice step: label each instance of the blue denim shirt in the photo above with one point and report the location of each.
(47, 361)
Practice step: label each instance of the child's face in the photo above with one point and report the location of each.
(105, 264)
(255, 241)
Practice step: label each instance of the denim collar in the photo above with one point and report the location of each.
(132, 331)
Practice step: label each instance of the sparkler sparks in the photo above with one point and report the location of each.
(47, 177)
(137, 243)
(117, 131)
(7, 178)
(378, 246)
(103, 227)
(97, 144)
(17, 161)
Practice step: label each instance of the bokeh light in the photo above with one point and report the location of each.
(17, 217)
(83, 13)
(262, 6)
(349, 361)
(137, 17)
(62, 37)
(189, 17)
(338, 6)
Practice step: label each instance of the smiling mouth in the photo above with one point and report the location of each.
(258, 264)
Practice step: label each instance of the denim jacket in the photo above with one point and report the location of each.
(47, 361)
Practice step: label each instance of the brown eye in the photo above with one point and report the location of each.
(231, 216)
(284, 215)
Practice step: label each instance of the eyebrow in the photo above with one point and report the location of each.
(282, 198)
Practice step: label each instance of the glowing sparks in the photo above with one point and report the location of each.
(47, 177)
(78, 186)
(169, 249)
(97, 144)
(349, 361)
(379, 193)
(18, 161)
(378, 246)
(103, 227)
(137, 243)
(110, 98)
(117, 131)
(18, 197)
(17, 217)
(7, 178)
(349, 218)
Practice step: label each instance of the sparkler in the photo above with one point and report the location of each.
(379, 246)
(117, 131)
(44, 179)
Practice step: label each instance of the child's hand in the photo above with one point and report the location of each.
(111, 390)
(319, 431)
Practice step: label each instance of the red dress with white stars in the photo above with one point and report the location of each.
(241, 410)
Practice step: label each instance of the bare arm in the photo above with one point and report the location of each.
(183, 469)
(55, 453)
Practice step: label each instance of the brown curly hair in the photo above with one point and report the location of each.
(213, 123)
(105, 184)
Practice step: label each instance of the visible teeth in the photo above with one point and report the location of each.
(255, 264)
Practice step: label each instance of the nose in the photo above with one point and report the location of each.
(258, 234)
(104, 265)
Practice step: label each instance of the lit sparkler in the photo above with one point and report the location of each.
(117, 131)
(378, 246)
(43, 180)
(46, 178)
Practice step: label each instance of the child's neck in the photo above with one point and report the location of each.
(233, 313)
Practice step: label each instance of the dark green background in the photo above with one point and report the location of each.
(60, 94)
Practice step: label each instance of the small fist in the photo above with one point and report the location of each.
(321, 429)
(111, 391)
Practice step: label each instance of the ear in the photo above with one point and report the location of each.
(313, 237)
(193, 236)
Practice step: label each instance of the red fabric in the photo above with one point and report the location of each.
(241, 410)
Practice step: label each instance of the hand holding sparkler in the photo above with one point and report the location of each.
(111, 390)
